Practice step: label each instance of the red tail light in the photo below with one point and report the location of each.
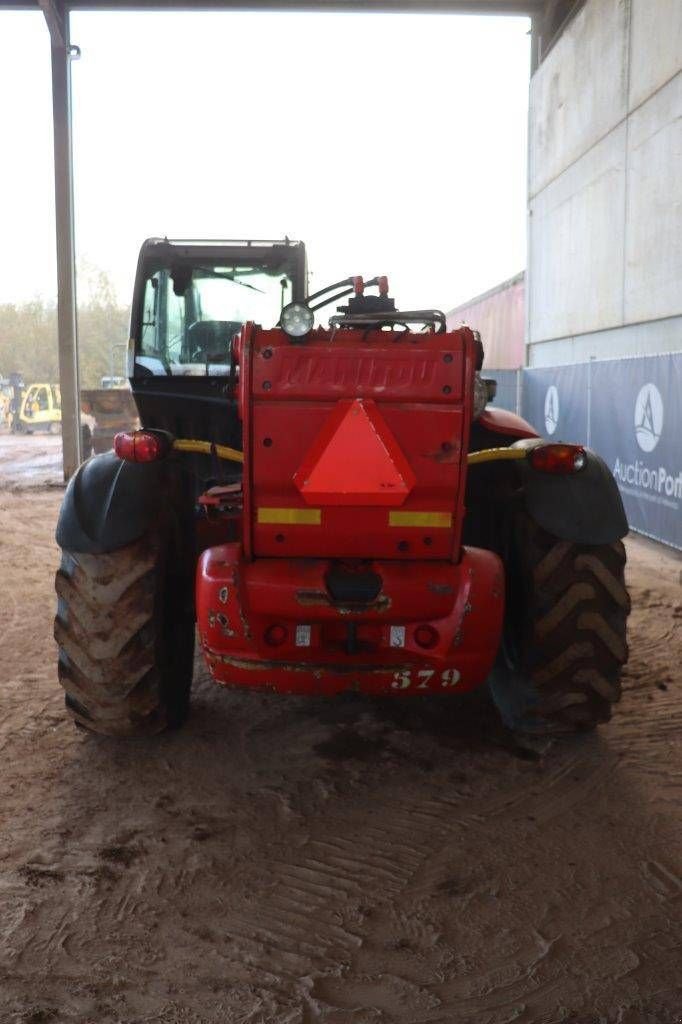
(275, 636)
(140, 446)
(558, 458)
(426, 636)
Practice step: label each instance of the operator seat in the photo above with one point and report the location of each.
(210, 340)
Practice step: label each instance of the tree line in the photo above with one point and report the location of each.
(28, 333)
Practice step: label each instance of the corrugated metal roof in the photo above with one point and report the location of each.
(509, 283)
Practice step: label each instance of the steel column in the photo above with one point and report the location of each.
(535, 43)
(57, 19)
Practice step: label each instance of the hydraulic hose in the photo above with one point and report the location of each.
(208, 448)
(496, 455)
(232, 455)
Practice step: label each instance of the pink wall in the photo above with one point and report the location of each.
(500, 317)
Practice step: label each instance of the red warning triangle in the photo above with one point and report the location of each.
(355, 460)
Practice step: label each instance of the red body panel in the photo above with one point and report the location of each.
(355, 447)
(504, 422)
(420, 387)
(239, 601)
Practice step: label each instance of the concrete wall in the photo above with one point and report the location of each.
(605, 186)
(499, 316)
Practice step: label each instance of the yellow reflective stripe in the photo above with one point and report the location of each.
(435, 519)
(297, 516)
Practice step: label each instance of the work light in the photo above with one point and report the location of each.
(297, 320)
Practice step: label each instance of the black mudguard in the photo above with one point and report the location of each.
(583, 507)
(110, 503)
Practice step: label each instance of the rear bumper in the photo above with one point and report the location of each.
(325, 648)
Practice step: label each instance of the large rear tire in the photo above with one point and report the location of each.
(565, 643)
(125, 630)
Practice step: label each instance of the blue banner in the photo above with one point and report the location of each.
(636, 426)
(630, 412)
(555, 402)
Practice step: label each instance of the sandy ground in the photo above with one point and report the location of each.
(289, 861)
(30, 460)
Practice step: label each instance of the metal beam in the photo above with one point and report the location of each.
(55, 18)
(363, 6)
(58, 23)
(514, 7)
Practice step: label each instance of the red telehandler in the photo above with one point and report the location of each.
(335, 508)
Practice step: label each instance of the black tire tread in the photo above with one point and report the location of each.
(105, 630)
(575, 644)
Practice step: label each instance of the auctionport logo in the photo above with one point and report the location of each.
(648, 417)
(551, 409)
(652, 483)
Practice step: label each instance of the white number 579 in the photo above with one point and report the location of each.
(423, 678)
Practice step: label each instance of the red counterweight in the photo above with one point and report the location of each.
(355, 442)
(350, 572)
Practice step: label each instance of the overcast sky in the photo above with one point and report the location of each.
(388, 143)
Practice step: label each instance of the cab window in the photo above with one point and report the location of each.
(191, 314)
